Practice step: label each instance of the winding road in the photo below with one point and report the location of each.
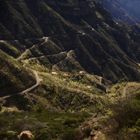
(21, 56)
(38, 80)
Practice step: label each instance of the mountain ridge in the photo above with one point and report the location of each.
(96, 30)
(123, 11)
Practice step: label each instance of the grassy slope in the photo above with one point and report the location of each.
(121, 120)
(57, 108)
(126, 111)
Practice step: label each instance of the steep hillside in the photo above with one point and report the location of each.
(13, 76)
(68, 69)
(81, 27)
(132, 8)
(127, 11)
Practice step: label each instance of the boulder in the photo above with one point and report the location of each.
(26, 135)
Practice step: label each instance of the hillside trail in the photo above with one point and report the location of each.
(124, 91)
(38, 81)
(37, 78)
(21, 56)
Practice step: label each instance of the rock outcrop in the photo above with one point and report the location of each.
(26, 135)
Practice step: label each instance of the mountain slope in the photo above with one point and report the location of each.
(126, 10)
(82, 27)
(13, 77)
(66, 69)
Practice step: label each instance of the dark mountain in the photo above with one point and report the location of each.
(82, 27)
(124, 10)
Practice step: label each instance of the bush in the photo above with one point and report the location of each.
(75, 134)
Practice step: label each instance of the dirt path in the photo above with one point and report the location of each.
(38, 80)
(21, 56)
(124, 91)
